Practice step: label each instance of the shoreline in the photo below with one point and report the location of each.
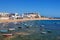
(25, 19)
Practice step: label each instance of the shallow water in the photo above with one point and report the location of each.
(34, 29)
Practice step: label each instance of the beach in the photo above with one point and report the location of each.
(24, 19)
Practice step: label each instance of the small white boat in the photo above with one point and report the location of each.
(43, 32)
(11, 29)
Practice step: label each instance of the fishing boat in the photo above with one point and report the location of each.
(6, 35)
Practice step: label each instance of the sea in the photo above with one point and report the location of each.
(37, 29)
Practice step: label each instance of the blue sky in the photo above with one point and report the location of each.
(43, 7)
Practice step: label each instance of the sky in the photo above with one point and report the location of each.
(49, 8)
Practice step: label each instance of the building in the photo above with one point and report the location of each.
(4, 15)
(31, 15)
(15, 16)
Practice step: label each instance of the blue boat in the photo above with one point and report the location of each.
(3, 30)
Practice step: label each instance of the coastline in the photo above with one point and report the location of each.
(24, 19)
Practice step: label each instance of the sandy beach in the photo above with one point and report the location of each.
(25, 19)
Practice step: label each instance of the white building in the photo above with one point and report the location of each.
(16, 16)
(31, 15)
(4, 15)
